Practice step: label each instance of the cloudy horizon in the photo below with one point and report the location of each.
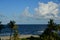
(29, 11)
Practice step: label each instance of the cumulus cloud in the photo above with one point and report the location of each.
(47, 10)
(44, 11)
(25, 16)
(26, 12)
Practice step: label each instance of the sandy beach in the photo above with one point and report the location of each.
(21, 36)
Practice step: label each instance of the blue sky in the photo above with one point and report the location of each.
(28, 11)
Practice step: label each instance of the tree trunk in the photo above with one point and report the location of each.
(11, 34)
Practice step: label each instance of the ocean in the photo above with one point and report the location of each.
(23, 29)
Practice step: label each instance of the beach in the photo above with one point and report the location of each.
(20, 36)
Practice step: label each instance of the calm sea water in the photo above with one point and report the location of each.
(26, 29)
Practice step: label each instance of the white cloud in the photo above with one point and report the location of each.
(44, 11)
(25, 16)
(47, 10)
(26, 13)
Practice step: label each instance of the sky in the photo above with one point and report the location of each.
(29, 11)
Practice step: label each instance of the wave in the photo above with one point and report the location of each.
(40, 31)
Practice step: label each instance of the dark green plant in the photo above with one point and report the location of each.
(50, 33)
(11, 26)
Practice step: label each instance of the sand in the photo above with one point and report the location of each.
(21, 36)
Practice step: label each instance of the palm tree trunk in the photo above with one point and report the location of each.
(11, 34)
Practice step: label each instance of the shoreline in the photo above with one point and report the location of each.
(20, 36)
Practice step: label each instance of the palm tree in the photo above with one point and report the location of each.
(11, 26)
(50, 32)
(51, 24)
(14, 29)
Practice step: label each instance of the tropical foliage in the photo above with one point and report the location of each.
(14, 30)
